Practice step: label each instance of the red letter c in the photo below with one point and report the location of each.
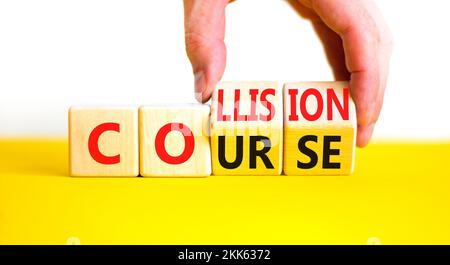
(93, 143)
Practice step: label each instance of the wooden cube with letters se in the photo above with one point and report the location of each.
(247, 128)
(319, 129)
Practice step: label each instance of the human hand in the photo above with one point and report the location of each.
(357, 41)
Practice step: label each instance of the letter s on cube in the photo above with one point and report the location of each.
(103, 142)
(174, 140)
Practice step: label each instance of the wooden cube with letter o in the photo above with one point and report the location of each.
(174, 140)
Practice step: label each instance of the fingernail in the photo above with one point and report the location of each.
(199, 79)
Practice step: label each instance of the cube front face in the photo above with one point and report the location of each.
(174, 141)
(319, 129)
(247, 128)
(103, 142)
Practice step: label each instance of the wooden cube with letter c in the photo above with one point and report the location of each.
(247, 128)
(103, 141)
(319, 129)
(174, 141)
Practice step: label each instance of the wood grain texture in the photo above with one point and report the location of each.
(231, 129)
(83, 120)
(196, 118)
(342, 130)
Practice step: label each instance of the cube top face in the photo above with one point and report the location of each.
(247, 128)
(325, 104)
(174, 140)
(103, 141)
(246, 104)
(319, 129)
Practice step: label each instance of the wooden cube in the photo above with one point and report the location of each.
(319, 129)
(103, 141)
(247, 128)
(174, 141)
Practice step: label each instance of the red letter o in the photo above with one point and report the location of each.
(161, 148)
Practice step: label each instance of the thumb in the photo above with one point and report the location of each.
(204, 23)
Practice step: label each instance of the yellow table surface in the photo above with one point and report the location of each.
(399, 194)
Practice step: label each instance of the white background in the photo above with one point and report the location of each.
(54, 54)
